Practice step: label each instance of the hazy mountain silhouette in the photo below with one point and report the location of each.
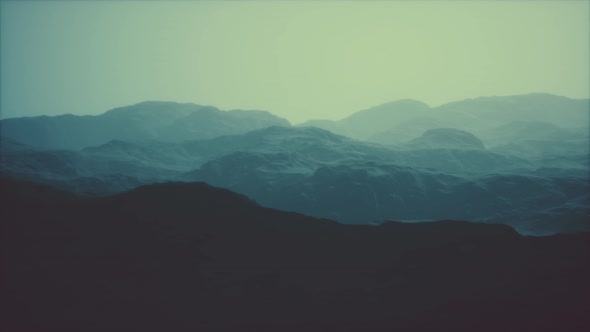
(400, 121)
(363, 124)
(516, 131)
(165, 121)
(531, 173)
(190, 257)
(558, 110)
(390, 123)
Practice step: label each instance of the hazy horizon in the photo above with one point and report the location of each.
(298, 60)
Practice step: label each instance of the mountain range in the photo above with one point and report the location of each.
(400, 121)
(160, 216)
(518, 160)
(165, 121)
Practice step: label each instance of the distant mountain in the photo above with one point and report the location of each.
(376, 119)
(165, 121)
(531, 174)
(363, 124)
(535, 130)
(190, 257)
(400, 121)
(558, 110)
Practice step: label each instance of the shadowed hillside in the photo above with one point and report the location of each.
(190, 257)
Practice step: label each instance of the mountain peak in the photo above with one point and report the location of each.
(406, 103)
(167, 108)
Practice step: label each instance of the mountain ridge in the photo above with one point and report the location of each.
(322, 173)
(476, 115)
(167, 121)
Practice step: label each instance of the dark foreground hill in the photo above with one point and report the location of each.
(190, 257)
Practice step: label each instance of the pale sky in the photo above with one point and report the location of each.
(298, 59)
